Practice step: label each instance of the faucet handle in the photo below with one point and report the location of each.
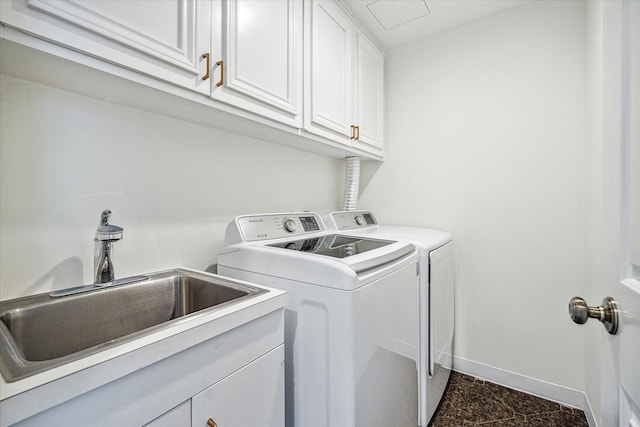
(106, 231)
(104, 218)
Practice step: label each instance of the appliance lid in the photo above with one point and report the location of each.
(359, 253)
(334, 245)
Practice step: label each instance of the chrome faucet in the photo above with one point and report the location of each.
(106, 234)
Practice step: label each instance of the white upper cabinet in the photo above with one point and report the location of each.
(344, 79)
(165, 39)
(257, 57)
(299, 70)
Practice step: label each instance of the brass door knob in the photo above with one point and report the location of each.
(211, 423)
(607, 313)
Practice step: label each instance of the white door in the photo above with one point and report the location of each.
(627, 347)
(620, 353)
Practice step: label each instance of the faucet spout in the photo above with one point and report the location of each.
(106, 234)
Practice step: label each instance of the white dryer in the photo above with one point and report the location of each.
(351, 321)
(436, 295)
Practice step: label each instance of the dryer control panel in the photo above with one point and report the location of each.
(276, 226)
(352, 220)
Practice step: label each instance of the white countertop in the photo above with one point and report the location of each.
(62, 383)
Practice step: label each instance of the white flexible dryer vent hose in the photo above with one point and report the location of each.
(351, 183)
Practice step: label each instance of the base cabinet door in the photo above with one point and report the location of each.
(180, 416)
(251, 396)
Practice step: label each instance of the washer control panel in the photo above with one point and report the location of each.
(352, 220)
(290, 225)
(275, 226)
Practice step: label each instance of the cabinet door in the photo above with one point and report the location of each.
(257, 48)
(180, 416)
(251, 396)
(369, 95)
(328, 68)
(164, 38)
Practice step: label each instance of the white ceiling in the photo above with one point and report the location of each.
(411, 20)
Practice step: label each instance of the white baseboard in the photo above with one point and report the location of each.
(588, 412)
(557, 393)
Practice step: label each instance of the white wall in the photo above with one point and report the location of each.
(486, 128)
(172, 185)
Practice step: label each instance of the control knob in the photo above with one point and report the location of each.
(289, 225)
(360, 220)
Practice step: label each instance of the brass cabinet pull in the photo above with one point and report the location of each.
(207, 56)
(355, 132)
(221, 64)
(211, 423)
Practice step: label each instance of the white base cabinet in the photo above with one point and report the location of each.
(251, 396)
(236, 379)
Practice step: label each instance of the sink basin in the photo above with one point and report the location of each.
(40, 332)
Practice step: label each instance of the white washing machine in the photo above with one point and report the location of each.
(351, 321)
(436, 294)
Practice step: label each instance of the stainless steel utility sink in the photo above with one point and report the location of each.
(40, 332)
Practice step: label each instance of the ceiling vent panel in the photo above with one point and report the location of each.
(394, 13)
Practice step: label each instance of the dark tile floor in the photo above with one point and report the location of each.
(469, 401)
